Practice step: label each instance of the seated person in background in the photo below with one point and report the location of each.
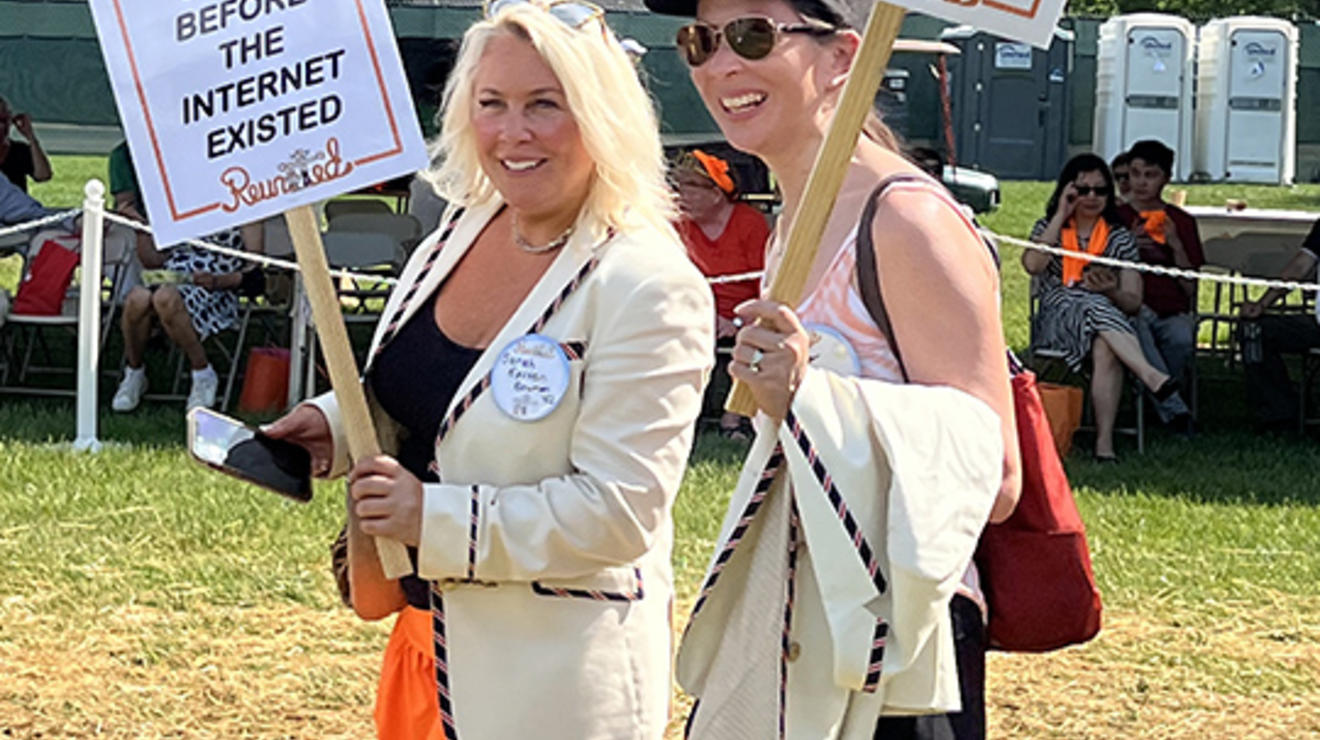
(124, 184)
(18, 160)
(1122, 177)
(128, 203)
(1084, 311)
(189, 312)
(17, 207)
(1165, 235)
(1265, 337)
(723, 237)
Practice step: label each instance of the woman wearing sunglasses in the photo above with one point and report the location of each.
(536, 380)
(1085, 309)
(841, 602)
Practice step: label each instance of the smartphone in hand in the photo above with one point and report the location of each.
(233, 448)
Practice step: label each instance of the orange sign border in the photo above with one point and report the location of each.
(1028, 14)
(155, 143)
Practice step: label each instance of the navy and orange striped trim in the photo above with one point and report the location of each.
(471, 397)
(594, 594)
(396, 320)
(786, 637)
(763, 484)
(472, 533)
(875, 663)
(864, 550)
(444, 699)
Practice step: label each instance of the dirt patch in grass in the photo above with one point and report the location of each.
(1256, 676)
(143, 673)
(294, 672)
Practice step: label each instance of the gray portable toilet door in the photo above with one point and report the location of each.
(1012, 110)
(1153, 87)
(1257, 77)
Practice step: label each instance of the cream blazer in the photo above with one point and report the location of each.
(916, 469)
(552, 539)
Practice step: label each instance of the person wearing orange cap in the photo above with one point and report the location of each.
(1165, 235)
(724, 238)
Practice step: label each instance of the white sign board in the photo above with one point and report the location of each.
(236, 110)
(1032, 21)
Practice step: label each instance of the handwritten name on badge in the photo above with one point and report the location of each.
(530, 377)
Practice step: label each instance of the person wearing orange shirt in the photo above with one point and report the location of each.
(724, 238)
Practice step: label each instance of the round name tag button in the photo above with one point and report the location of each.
(830, 350)
(530, 377)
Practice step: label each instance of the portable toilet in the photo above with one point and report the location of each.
(1246, 118)
(1144, 79)
(1011, 103)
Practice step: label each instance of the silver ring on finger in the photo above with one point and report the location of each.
(754, 364)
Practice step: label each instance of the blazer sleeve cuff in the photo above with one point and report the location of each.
(326, 403)
(448, 545)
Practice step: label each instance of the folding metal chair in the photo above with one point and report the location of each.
(25, 339)
(1048, 364)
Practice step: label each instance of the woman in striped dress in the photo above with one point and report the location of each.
(1085, 308)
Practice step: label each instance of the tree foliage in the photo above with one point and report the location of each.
(1198, 10)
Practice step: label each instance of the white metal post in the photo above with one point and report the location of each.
(89, 315)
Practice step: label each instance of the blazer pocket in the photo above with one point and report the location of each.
(610, 584)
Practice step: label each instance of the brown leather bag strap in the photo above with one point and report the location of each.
(868, 282)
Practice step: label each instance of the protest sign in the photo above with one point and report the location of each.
(236, 110)
(1032, 21)
(1027, 20)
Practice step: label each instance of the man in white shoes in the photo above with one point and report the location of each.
(203, 301)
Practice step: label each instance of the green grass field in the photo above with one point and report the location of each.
(144, 596)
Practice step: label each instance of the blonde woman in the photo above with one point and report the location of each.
(536, 380)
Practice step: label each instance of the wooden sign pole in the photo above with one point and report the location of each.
(831, 165)
(306, 237)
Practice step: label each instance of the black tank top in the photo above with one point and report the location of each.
(414, 379)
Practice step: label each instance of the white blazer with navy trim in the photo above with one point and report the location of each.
(557, 611)
(915, 469)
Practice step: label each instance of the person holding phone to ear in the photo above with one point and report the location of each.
(535, 382)
(1086, 309)
(19, 160)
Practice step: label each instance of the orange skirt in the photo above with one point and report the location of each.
(406, 696)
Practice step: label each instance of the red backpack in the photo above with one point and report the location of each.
(1035, 567)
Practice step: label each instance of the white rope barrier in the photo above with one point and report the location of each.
(1174, 272)
(283, 264)
(736, 278)
(260, 259)
(38, 223)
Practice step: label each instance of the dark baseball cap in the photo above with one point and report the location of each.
(838, 13)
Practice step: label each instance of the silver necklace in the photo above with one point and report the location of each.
(549, 246)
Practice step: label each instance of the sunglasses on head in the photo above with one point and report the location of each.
(753, 37)
(572, 13)
(1100, 190)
